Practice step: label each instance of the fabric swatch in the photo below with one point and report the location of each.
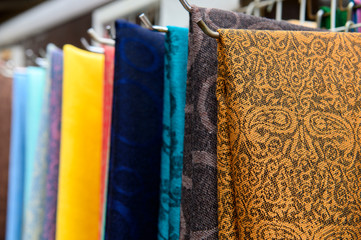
(199, 180)
(289, 127)
(14, 217)
(53, 154)
(107, 116)
(5, 126)
(136, 134)
(35, 162)
(80, 149)
(175, 79)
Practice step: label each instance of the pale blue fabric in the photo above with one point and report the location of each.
(14, 217)
(175, 78)
(35, 168)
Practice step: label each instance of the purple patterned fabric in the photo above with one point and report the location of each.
(56, 76)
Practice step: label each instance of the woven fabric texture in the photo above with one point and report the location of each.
(199, 180)
(289, 128)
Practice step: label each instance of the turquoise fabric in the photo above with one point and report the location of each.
(34, 162)
(14, 216)
(175, 78)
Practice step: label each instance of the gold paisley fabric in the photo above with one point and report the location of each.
(289, 129)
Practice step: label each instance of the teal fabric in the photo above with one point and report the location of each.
(34, 162)
(175, 78)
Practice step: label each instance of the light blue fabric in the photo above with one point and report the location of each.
(175, 78)
(34, 161)
(14, 217)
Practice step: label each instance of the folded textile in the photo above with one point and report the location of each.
(107, 116)
(78, 210)
(35, 162)
(53, 154)
(199, 180)
(5, 126)
(136, 134)
(175, 78)
(14, 216)
(289, 125)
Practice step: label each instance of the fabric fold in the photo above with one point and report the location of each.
(80, 149)
(289, 124)
(136, 134)
(107, 116)
(175, 78)
(5, 126)
(14, 217)
(199, 181)
(53, 154)
(35, 164)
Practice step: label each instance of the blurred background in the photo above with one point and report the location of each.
(27, 26)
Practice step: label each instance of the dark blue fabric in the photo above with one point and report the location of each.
(136, 134)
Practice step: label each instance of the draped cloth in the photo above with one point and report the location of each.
(175, 78)
(14, 217)
(35, 162)
(5, 126)
(199, 188)
(80, 149)
(289, 128)
(136, 134)
(53, 154)
(107, 116)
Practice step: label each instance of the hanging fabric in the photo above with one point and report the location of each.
(35, 212)
(14, 217)
(199, 188)
(34, 163)
(5, 126)
(53, 154)
(175, 78)
(136, 134)
(80, 151)
(107, 116)
(289, 122)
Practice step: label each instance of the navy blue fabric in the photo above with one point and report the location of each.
(136, 134)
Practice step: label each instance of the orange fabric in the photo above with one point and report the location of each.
(289, 128)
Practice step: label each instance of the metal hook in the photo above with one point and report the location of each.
(207, 30)
(90, 48)
(145, 20)
(186, 5)
(98, 39)
(109, 30)
(348, 25)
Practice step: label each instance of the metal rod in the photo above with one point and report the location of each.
(186, 5)
(149, 25)
(303, 11)
(90, 48)
(98, 39)
(207, 30)
(279, 10)
(333, 15)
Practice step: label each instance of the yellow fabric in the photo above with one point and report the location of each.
(80, 150)
(289, 135)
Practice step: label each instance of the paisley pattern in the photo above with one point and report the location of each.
(136, 134)
(289, 120)
(199, 180)
(175, 77)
